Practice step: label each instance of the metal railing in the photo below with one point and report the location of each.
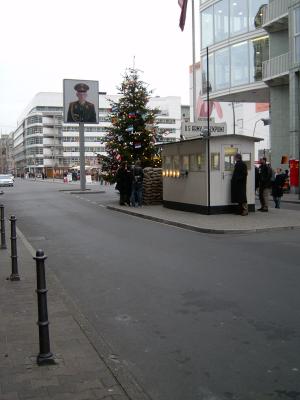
(273, 11)
(276, 66)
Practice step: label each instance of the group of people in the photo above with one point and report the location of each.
(266, 181)
(130, 184)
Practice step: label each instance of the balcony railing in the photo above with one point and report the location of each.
(274, 11)
(276, 67)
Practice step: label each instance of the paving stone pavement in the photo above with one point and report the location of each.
(82, 370)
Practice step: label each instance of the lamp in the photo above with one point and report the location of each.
(266, 121)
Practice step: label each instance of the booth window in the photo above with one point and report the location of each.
(176, 163)
(229, 154)
(215, 161)
(185, 163)
(197, 162)
(167, 162)
(246, 157)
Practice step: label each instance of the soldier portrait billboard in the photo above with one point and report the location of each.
(81, 101)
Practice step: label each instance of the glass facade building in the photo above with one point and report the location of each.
(238, 46)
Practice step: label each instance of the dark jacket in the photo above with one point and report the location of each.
(277, 185)
(239, 183)
(265, 176)
(123, 178)
(137, 177)
(81, 112)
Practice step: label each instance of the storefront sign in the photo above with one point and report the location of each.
(192, 130)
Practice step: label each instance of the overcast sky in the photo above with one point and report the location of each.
(45, 42)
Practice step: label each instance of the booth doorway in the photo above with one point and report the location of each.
(227, 166)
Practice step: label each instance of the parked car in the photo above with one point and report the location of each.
(6, 180)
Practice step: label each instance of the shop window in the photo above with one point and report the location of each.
(185, 163)
(215, 161)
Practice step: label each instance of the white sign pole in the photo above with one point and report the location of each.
(82, 156)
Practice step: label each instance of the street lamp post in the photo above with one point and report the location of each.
(266, 121)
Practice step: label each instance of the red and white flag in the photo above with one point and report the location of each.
(183, 6)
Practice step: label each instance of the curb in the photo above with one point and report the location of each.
(118, 370)
(199, 229)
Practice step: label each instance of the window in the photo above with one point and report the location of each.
(246, 157)
(238, 17)
(185, 163)
(221, 23)
(239, 64)
(197, 162)
(222, 69)
(297, 34)
(259, 52)
(229, 154)
(207, 26)
(256, 13)
(211, 73)
(215, 161)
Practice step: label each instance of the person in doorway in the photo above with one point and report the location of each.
(265, 183)
(136, 198)
(239, 185)
(123, 178)
(277, 187)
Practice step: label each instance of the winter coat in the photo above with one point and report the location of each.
(123, 178)
(277, 185)
(239, 183)
(265, 176)
(137, 177)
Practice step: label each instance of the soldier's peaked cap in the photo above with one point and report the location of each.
(81, 87)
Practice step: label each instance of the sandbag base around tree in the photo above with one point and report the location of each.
(152, 186)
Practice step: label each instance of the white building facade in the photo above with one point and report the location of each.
(43, 143)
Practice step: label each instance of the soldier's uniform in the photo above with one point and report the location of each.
(81, 112)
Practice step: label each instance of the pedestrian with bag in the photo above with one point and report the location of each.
(265, 184)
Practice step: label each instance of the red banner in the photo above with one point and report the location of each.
(294, 173)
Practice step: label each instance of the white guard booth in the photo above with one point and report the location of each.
(191, 184)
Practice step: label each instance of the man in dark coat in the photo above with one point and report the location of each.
(81, 110)
(239, 185)
(124, 182)
(265, 183)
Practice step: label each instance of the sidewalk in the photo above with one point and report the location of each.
(223, 223)
(290, 198)
(85, 369)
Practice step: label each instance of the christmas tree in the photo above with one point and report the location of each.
(133, 133)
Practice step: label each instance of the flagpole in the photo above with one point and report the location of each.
(194, 62)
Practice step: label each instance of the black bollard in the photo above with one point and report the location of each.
(14, 256)
(3, 241)
(45, 356)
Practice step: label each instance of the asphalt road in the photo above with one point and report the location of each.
(192, 316)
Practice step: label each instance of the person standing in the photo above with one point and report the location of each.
(137, 185)
(277, 187)
(265, 183)
(123, 178)
(239, 185)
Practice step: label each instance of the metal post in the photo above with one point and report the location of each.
(194, 63)
(3, 241)
(14, 256)
(82, 156)
(45, 356)
(208, 132)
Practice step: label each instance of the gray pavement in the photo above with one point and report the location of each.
(223, 223)
(85, 368)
